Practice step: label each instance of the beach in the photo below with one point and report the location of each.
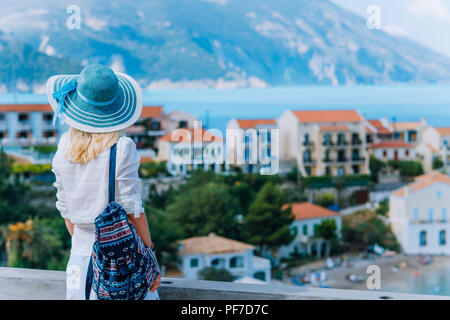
(399, 273)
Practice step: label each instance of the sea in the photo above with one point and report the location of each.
(215, 107)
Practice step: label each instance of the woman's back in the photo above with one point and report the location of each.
(83, 188)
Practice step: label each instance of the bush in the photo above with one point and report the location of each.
(407, 168)
(152, 169)
(383, 208)
(214, 274)
(364, 228)
(325, 200)
(437, 163)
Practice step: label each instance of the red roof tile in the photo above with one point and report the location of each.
(391, 144)
(306, 210)
(330, 116)
(25, 108)
(251, 123)
(443, 131)
(151, 112)
(422, 182)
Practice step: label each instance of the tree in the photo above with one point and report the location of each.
(383, 208)
(267, 225)
(364, 228)
(165, 234)
(327, 231)
(214, 274)
(375, 165)
(31, 245)
(205, 208)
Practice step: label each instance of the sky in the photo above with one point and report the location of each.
(425, 21)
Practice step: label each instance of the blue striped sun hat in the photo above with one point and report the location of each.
(96, 100)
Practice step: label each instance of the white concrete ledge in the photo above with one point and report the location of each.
(31, 284)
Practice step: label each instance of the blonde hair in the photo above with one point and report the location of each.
(85, 146)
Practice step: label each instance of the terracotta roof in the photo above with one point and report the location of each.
(151, 112)
(391, 144)
(251, 123)
(147, 159)
(422, 182)
(334, 128)
(25, 108)
(381, 129)
(433, 175)
(402, 126)
(306, 210)
(330, 116)
(443, 131)
(369, 130)
(189, 135)
(212, 244)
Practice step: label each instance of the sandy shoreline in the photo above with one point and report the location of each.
(416, 278)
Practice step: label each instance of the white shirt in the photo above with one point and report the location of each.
(82, 189)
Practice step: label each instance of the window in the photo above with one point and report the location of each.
(307, 156)
(416, 214)
(194, 262)
(430, 215)
(442, 237)
(406, 153)
(260, 275)
(306, 139)
(384, 153)
(444, 214)
(236, 262)
(23, 117)
(423, 238)
(182, 124)
(439, 194)
(327, 171)
(218, 262)
(305, 230)
(316, 229)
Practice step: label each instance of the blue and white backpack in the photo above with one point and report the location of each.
(121, 266)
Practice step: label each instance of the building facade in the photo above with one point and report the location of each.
(259, 151)
(28, 124)
(418, 214)
(324, 142)
(190, 149)
(308, 217)
(149, 128)
(393, 150)
(237, 257)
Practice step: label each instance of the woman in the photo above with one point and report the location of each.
(97, 104)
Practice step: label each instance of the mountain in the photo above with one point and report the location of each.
(214, 43)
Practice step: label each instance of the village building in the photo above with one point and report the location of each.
(324, 142)
(237, 257)
(308, 217)
(418, 214)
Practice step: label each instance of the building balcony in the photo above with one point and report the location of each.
(33, 284)
(358, 159)
(357, 142)
(309, 162)
(308, 144)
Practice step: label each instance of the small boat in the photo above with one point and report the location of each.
(355, 278)
(297, 282)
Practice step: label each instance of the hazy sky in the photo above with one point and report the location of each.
(425, 21)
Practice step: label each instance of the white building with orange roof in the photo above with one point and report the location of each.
(191, 149)
(252, 145)
(308, 217)
(418, 214)
(378, 130)
(324, 142)
(237, 257)
(409, 132)
(437, 140)
(393, 150)
(146, 131)
(28, 124)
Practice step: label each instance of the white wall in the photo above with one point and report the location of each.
(407, 226)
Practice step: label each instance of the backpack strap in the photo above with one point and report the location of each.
(111, 197)
(112, 173)
(89, 279)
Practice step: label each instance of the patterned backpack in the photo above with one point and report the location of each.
(121, 266)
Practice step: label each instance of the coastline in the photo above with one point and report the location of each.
(400, 273)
